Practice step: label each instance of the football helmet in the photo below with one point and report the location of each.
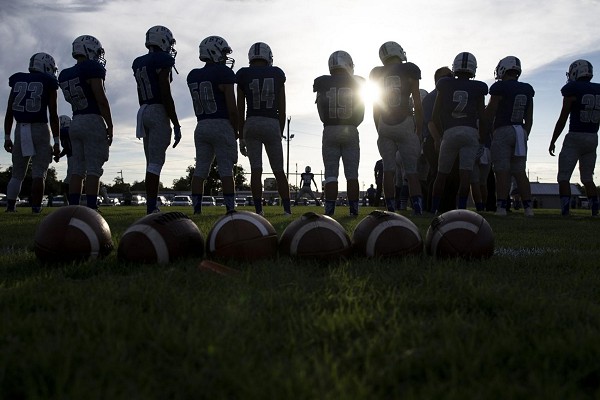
(215, 49)
(580, 69)
(43, 62)
(389, 50)
(507, 64)
(465, 62)
(341, 60)
(260, 51)
(89, 47)
(307, 169)
(162, 38)
(64, 121)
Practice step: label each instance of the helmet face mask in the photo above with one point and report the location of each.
(162, 38)
(43, 62)
(580, 69)
(215, 49)
(391, 49)
(509, 63)
(340, 60)
(465, 63)
(260, 51)
(89, 47)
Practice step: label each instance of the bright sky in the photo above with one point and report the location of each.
(547, 36)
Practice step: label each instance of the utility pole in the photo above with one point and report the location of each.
(287, 139)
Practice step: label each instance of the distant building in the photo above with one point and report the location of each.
(545, 195)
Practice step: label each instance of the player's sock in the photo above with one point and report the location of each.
(197, 203)
(74, 198)
(229, 201)
(565, 204)
(435, 204)
(329, 207)
(595, 205)
(150, 205)
(390, 204)
(258, 204)
(417, 204)
(286, 206)
(462, 202)
(11, 205)
(92, 201)
(479, 206)
(353, 207)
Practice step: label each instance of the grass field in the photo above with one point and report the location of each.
(524, 324)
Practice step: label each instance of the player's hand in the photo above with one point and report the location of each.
(109, 135)
(551, 149)
(177, 134)
(56, 152)
(8, 145)
(243, 149)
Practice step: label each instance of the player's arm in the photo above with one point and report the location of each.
(54, 124)
(529, 118)
(232, 111)
(97, 85)
(416, 95)
(164, 83)
(435, 125)
(561, 122)
(492, 108)
(281, 107)
(8, 121)
(241, 107)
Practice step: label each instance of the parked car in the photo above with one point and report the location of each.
(220, 201)
(59, 201)
(110, 201)
(138, 200)
(240, 201)
(208, 201)
(163, 201)
(181, 201)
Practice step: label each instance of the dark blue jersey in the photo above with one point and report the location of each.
(30, 95)
(428, 103)
(339, 100)
(393, 81)
(209, 100)
(146, 69)
(261, 86)
(307, 178)
(516, 99)
(76, 88)
(585, 110)
(458, 100)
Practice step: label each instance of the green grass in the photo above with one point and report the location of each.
(524, 324)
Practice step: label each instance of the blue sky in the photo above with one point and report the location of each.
(546, 36)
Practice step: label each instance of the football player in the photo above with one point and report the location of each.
(91, 129)
(458, 107)
(216, 134)
(31, 100)
(448, 201)
(307, 178)
(378, 175)
(262, 87)
(153, 74)
(581, 105)
(67, 150)
(511, 110)
(398, 129)
(341, 110)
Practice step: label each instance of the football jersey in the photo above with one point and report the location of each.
(428, 103)
(585, 110)
(76, 89)
(262, 87)
(516, 99)
(30, 94)
(459, 99)
(306, 178)
(209, 101)
(339, 100)
(393, 79)
(146, 69)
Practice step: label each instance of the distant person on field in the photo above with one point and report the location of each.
(32, 102)
(341, 110)
(306, 179)
(580, 106)
(378, 172)
(261, 87)
(67, 150)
